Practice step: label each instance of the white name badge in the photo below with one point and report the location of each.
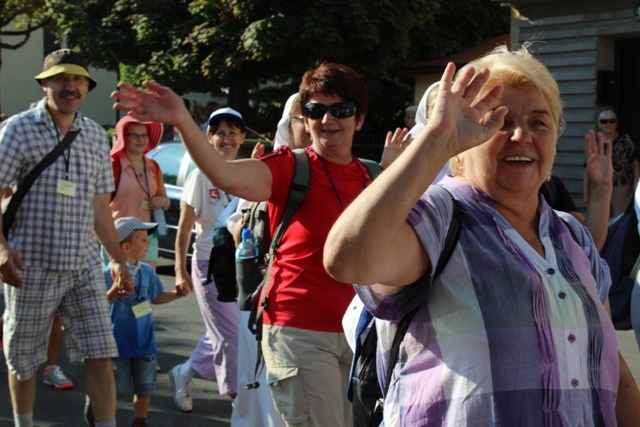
(141, 309)
(144, 204)
(66, 188)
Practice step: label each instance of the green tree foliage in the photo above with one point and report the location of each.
(257, 50)
(20, 18)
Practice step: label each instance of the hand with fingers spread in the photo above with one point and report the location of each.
(153, 102)
(599, 179)
(394, 145)
(461, 118)
(599, 166)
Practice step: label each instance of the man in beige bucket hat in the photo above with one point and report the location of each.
(49, 259)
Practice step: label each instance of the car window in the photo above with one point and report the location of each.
(169, 159)
(191, 167)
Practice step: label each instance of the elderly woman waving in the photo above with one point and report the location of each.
(513, 331)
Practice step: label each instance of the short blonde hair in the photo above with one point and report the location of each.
(517, 69)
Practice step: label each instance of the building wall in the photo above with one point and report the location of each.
(18, 89)
(576, 40)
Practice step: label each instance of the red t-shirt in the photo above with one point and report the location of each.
(301, 293)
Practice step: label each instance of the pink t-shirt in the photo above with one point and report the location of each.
(301, 293)
(133, 191)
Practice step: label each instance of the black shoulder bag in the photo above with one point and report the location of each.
(23, 188)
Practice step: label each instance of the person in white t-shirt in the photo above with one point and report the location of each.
(216, 354)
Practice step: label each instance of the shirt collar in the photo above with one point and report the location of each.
(42, 116)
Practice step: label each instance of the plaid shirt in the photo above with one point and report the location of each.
(503, 336)
(52, 230)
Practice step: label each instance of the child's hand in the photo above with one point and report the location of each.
(182, 290)
(116, 292)
(123, 293)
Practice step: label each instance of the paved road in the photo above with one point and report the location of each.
(178, 328)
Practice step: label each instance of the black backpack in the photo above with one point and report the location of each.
(621, 250)
(364, 390)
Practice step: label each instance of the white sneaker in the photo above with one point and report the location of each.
(56, 378)
(182, 389)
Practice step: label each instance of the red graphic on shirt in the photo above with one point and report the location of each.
(214, 193)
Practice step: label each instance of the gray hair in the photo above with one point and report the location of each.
(607, 113)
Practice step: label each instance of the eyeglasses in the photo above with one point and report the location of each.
(339, 110)
(608, 121)
(297, 117)
(137, 135)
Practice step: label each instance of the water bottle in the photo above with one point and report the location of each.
(248, 271)
(247, 248)
(159, 218)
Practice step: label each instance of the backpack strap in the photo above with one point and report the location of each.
(450, 241)
(631, 240)
(297, 193)
(117, 171)
(373, 168)
(158, 172)
(23, 188)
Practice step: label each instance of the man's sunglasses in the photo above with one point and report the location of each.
(339, 110)
(608, 121)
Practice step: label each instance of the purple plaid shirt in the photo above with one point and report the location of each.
(503, 336)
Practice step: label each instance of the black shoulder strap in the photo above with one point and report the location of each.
(373, 168)
(631, 241)
(23, 188)
(297, 193)
(453, 233)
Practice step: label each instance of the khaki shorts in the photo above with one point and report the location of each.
(308, 373)
(79, 299)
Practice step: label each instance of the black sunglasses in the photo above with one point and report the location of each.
(608, 121)
(339, 110)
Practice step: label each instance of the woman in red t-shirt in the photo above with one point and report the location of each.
(306, 353)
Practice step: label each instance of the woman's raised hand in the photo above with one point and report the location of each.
(153, 102)
(394, 145)
(461, 119)
(599, 165)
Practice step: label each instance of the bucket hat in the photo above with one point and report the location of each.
(65, 61)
